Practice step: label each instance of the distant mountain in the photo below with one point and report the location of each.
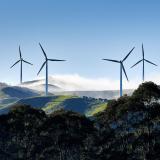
(18, 92)
(11, 94)
(39, 85)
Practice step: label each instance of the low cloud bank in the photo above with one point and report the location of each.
(75, 82)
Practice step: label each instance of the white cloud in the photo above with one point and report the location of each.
(75, 82)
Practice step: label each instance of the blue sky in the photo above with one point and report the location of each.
(80, 31)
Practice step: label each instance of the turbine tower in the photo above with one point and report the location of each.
(122, 69)
(21, 60)
(143, 60)
(46, 63)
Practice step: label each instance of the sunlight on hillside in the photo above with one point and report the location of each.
(57, 102)
(96, 109)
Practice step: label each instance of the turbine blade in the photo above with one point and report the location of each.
(27, 62)
(124, 72)
(136, 63)
(142, 51)
(150, 62)
(128, 54)
(111, 60)
(43, 51)
(15, 64)
(41, 67)
(20, 54)
(56, 60)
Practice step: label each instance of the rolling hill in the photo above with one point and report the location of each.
(11, 94)
(52, 103)
(18, 92)
(49, 104)
(7, 91)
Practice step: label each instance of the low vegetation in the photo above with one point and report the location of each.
(55, 102)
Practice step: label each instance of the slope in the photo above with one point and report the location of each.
(52, 103)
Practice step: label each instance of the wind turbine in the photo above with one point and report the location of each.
(21, 60)
(46, 63)
(122, 69)
(143, 60)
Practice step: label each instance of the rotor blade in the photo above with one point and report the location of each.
(150, 62)
(124, 71)
(15, 64)
(20, 54)
(27, 62)
(56, 60)
(136, 63)
(128, 54)
(111, 60)
(41, 67)
(43, 51)
(142, 51)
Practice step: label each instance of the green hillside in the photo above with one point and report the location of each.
(96, 109)
(49, 104)
(84, 105)
(56, 103)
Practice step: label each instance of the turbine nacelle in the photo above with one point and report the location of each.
(122, 68)
(143, 60)
(21, 60)
(47, 59)
(121, 62)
